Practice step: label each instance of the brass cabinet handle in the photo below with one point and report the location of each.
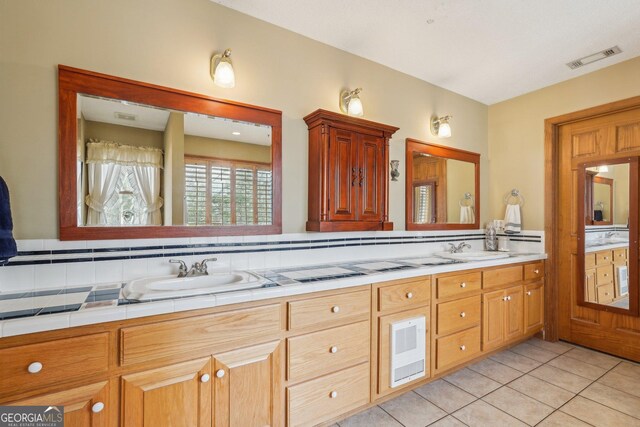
(361, 176)
(354, 176)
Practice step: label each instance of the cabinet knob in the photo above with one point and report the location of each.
(463, 314)
(528, 293)
(606, 293)
(97, 407)
(409, 295)
(536, 271)
(606, 274)
(220, 373)
(505, 298)
(509, 298)
(333, 349)
(35, 367)
(463, 347)
(463, 285)
(335, 309)
(333, 394)
(205, 377)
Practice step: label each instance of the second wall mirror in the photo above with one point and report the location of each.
(442, 187)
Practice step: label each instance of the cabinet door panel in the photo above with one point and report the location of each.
(533, 307)
(492, 319)
(247, 390)
(343, 175)
(370, 170)
(514, 324)
(173, 395)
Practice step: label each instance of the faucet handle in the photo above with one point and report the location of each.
(203, 264)
(183, 265)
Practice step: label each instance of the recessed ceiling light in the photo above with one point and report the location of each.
(235, 133)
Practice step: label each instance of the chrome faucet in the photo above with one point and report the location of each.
(197, 269)
(609, 234)
(457, 249)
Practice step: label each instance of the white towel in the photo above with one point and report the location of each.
(466, 215)
(512, 222)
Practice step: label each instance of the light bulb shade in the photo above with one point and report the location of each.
(440, 126)
(354, 108)
(222, 70)
(444, 130)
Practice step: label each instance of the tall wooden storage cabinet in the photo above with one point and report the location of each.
(348, 173)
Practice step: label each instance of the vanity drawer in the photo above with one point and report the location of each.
(329, 310)
(321, 399)
(534, 271)
(199, 335)
(404, 295)
(620, 256)
(61, 361)
(605, 293)
(326, 351)
(604, 275)
(501, 276)
(457, 315)
(589, 260)
(603, 257)
(455, 348)
(458, 284)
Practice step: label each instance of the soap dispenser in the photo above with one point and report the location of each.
(490, 237)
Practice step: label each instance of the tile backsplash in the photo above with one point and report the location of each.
(43, 264)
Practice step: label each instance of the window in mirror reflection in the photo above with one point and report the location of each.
(142, 165)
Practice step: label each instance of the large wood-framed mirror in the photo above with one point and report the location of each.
(608, 222)
(442, 187)
(144, 161)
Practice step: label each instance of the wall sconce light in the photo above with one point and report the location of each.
(394, 170)
(350, 102)
(222, 70)
(440, 126)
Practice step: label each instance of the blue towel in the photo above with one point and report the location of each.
(8, 247)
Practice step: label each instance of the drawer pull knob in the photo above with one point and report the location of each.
(536, 271)
(35, 367)
(505, 298)
(335, 309)
(220, 373)
(509, 298)
(205, 377)
(410, 295)
(606, 274)
(463, 314)
(528, 293)
(333, 394)
(97, 407)
(334, 349)
(463, 285)
(606, 258)
(606, 293)
(463, 347)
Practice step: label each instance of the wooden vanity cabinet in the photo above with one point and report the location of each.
(348, 173)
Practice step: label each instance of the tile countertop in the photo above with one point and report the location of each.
(52, 309)
(597, 248)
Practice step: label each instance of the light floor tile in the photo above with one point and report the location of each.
(516, 361)
(592, 357)
(558, 347)
(598, 415)
(472, 382)
(621, 382)
(448, 421)
(481, 414)
(533, 352)
(628, 369)
(445, 396)
(518, 405)
(561, 378)
(560, 419)
(496, 371)
(577, 367)
(412, 410)
(542, 391)
(374, 416)
(613, 398)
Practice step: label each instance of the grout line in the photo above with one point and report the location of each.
(568, 415)
(607, 406)
(502, 410)
(386, 412)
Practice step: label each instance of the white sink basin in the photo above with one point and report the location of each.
(171, 286)
(473, 255)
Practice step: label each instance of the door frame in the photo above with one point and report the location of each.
(551, 202)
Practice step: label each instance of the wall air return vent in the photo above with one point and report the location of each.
(593, 57)
(125, 116)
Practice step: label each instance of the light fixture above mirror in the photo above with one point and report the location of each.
(222, 70)
(350, 102)
(440, 126)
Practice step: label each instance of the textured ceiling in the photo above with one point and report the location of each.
(487, 50)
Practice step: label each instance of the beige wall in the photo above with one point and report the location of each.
(516, 133)
(223, 149)
(174, 169)
(125, 135)
(274, 68)
(460, 180)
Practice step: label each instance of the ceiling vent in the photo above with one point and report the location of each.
(593, 57)
(125, 116)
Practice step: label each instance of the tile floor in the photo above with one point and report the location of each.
(535, 383)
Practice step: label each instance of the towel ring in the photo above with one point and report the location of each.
(514, 197)
(467, 200)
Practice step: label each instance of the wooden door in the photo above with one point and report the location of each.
(344, 175)
(248, 386)
(533, 306)
(371, 174)
(602, 137)
(493, 312)
(177, 395)
(86, 406)
(514, 313)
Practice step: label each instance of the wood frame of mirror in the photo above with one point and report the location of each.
(74, 81)
(414, 145)
(633, 278)
(589, 195)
